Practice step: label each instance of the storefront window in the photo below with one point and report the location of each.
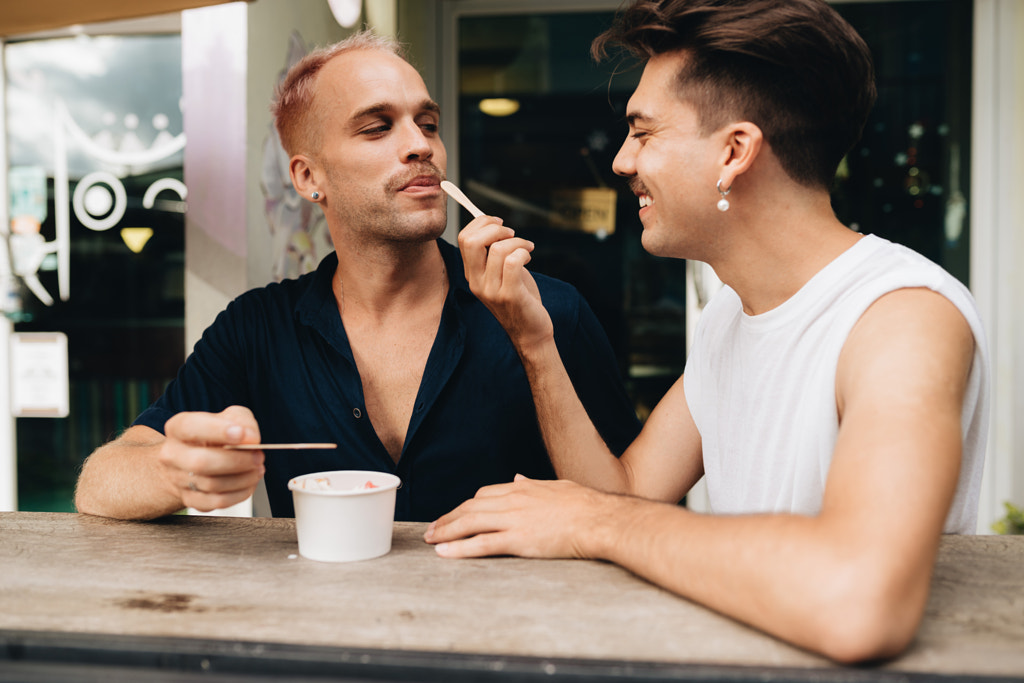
(539, 124)
(544, 165)
(94, 129)
(909, 179)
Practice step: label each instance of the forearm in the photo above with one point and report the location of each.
(802, 579)
(122, 479)
(576, 449)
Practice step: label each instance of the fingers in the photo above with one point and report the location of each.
(232, 425)
(210, 461)
(206, 493)
(485, 245)
(529, 518)
(495, 490)
(489, 511)
(202, 473)
(506, 268)
(473, 519)
(476, 238)
(204, 482)
(481, 545)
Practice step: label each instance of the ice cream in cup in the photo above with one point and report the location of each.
(344, 515)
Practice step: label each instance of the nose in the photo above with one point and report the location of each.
(624, 162)
(417, 146)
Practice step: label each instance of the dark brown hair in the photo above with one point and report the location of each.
(794, 68)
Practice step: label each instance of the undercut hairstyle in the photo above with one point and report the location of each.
(296, 111)
(794, 68)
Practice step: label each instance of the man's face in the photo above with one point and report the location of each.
(381, 153)
(669, 162)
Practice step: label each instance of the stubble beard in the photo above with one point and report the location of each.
(381, 219)
(386, 221)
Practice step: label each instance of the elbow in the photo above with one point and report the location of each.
(865, 638)
(84, 503)
(869, 623)
(81, 499)
(89, 499)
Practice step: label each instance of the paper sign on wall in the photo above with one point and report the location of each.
(39, 374)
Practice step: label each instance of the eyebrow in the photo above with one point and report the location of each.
(632, 118)
(384, 107)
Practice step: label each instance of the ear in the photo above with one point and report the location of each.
(743, 142)
(305, 177)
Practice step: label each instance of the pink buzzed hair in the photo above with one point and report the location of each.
(294, 107)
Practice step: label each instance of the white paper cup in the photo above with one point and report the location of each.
(337, 520)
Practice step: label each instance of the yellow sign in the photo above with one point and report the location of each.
(590, 209)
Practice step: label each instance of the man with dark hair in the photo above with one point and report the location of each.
(383, 350)
(835, 398)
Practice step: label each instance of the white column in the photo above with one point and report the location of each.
(997, 249)
(8, 451)
(8, 442)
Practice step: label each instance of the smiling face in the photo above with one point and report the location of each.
(381, 160)
(671, 165)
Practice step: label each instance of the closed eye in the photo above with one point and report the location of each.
(428, 123)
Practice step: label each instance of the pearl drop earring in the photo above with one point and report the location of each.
(723, 203)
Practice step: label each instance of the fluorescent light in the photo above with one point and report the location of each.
(499, 106)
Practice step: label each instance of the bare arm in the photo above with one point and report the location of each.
(144, 474)
(495, 263)
(850, 582)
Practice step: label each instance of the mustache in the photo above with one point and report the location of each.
(637, 186)
(423, 168)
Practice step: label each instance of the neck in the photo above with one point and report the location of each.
(773, 251)
(385, 284)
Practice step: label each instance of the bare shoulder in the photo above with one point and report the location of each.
(914, 339)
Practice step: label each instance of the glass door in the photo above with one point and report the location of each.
(538, 124)
(909, 178)
(95, 141)
(538, 127)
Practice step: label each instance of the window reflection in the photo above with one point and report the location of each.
(546, 169)
(99, 121)
(909, 178)
(543, 165)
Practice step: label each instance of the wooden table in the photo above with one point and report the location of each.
(226, 597)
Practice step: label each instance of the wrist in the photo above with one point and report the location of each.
(622, 528)
(538, 353)
(606, 530)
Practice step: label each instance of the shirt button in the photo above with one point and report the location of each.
(356, 413)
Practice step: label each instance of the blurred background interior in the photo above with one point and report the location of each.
(106, 123)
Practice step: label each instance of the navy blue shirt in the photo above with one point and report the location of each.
(282, 351)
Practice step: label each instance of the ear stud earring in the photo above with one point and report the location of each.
(723, 203)
(316, 195)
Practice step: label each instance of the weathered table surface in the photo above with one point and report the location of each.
(219, 591)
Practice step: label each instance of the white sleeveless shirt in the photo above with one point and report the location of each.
(761, 388)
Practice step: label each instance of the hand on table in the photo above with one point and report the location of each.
(528, 517)
(495, 264)
(202, 473)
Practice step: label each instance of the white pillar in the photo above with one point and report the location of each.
(997, 210)
(8, 450)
